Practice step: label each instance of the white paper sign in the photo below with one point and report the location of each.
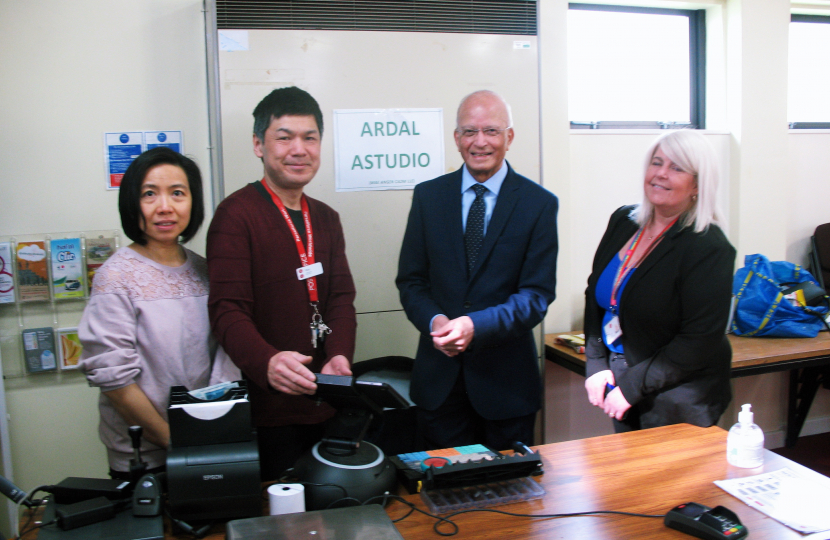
(380, 149)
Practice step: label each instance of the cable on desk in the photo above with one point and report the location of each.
(35, 527)
(413, 508)
(386, 497)
(446, 519)
(187, 527)
(28, 497)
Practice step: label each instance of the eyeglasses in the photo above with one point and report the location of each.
(490, 133)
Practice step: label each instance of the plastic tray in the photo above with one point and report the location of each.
(441, 501)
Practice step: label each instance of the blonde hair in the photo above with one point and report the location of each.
(694, 154)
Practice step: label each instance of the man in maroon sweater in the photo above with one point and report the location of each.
(281, 293)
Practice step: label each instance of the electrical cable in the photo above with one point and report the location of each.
(332, 503)
(35, 527)
(455, 528)
(28, 497)
(447, 519)
(189, 529)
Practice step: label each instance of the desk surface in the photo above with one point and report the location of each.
(647, 472)
(750, 356)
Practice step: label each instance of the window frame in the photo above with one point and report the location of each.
(697, 69)
(818, 19)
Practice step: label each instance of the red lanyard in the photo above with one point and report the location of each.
(623, 269)
(306, 258)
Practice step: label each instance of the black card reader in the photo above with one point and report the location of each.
(717, 523)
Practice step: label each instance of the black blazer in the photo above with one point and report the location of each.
(673, 313)
(506, 296)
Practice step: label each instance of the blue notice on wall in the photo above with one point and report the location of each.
(170, 139)
(120, 150)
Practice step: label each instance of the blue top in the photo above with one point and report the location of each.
(603, 295)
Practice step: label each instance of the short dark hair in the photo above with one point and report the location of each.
(285, 101)
(129, 196)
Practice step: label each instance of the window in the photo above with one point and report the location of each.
(631, 67)
(809, 72)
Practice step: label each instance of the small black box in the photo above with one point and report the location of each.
(83, 513)
(71, 490)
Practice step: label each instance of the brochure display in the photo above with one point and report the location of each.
(6, 274)
(39, 349)
(44, 281)
(98, 250)
(32, 272)
(67, 269)
(70, 348)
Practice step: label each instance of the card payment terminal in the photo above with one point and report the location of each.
(717, 523)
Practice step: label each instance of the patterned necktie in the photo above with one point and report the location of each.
(474, 234)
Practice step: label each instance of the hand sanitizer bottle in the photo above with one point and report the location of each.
(745, 442)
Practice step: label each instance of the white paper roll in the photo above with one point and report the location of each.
(286, 498)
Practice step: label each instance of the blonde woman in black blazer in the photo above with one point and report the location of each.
(658, 297)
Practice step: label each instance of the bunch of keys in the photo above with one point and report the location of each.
(319, 329)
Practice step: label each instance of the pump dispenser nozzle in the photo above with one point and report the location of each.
(746, 416)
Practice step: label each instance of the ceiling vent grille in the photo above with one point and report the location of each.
(517, 17)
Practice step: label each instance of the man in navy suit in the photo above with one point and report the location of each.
(476, 274)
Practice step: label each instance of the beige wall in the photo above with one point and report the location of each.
(421, 70)
(74, 70)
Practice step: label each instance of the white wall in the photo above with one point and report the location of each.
(72, 71)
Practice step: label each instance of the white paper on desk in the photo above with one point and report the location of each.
(797, 502)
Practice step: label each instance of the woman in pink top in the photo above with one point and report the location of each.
(146, 326)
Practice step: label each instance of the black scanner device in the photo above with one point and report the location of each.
(718, 523)
(147, 496)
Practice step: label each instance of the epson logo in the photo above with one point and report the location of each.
(213, 477)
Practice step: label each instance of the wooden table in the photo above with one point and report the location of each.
(648, 471)
(807, 360)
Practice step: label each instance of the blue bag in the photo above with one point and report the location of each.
(760, 306)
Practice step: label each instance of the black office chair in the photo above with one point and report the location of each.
(820, 256)
(813, 378)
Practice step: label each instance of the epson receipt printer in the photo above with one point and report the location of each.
(213, 460)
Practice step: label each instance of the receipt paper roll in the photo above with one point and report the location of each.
(286, 498)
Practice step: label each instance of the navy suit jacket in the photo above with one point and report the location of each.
(506, 296)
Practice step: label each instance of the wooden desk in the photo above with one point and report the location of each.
(648, 472)
(805, 358)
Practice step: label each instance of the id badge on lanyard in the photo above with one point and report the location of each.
(613, 330)
(310, 269)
